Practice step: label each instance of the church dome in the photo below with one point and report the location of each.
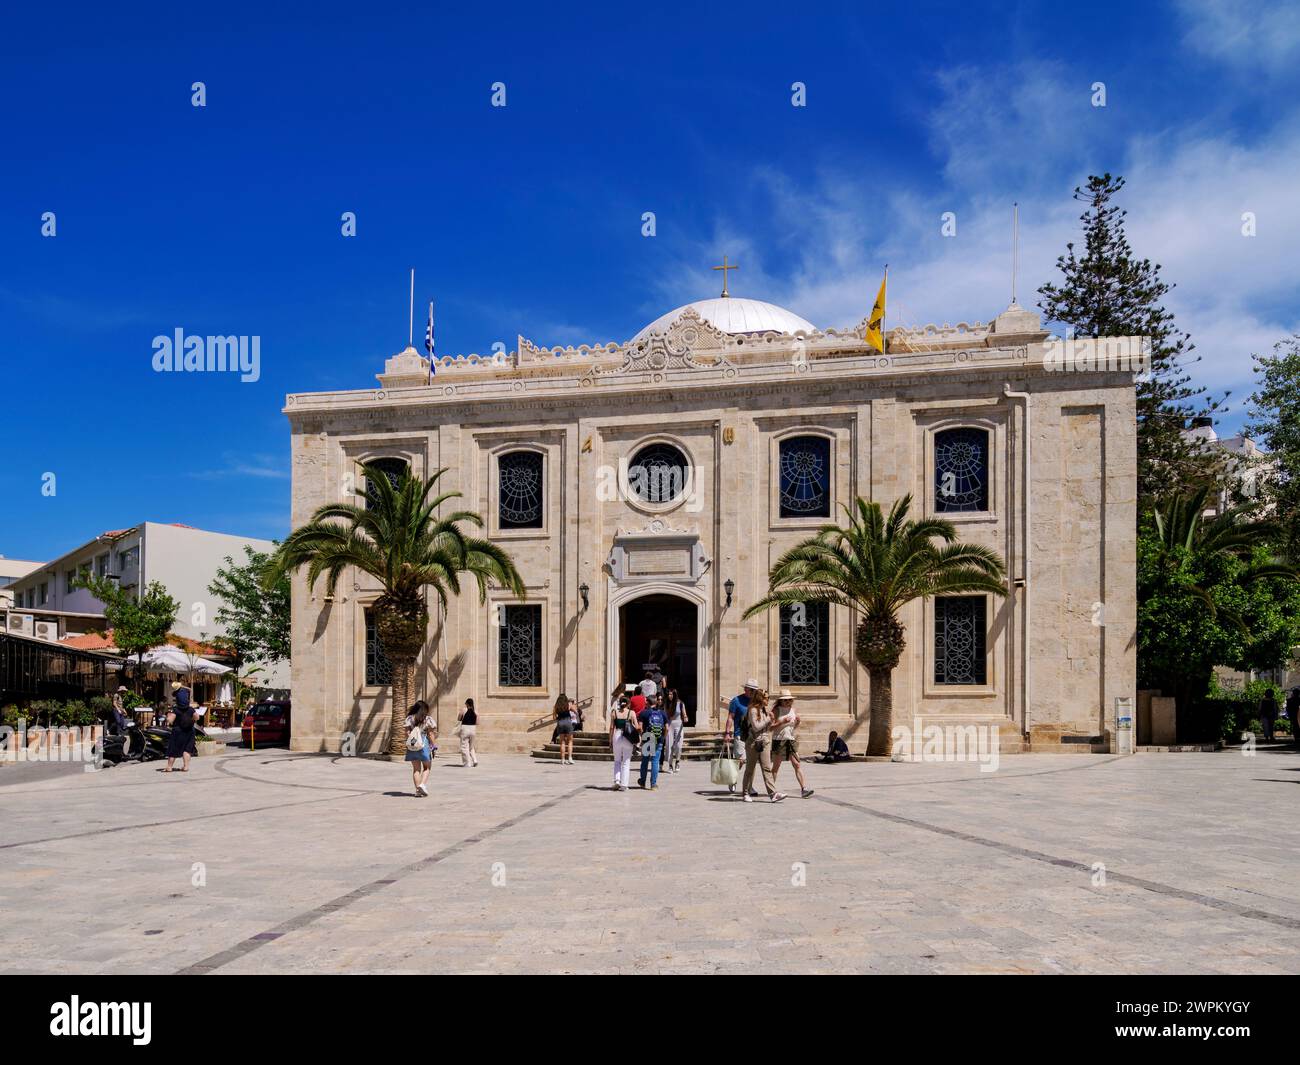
(733, 314)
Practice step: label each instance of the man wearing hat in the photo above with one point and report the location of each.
(785, 747)
(733, 736)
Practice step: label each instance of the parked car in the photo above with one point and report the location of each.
(267, 722)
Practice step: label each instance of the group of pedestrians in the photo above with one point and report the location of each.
(763, 737)
(649, 721)
(422, 742)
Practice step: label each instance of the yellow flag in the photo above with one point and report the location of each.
(876, 323)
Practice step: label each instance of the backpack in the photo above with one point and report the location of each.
(415, 739)
(184, 717)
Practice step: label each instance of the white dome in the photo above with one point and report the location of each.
(733, 314)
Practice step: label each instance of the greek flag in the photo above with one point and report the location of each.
(428, 341)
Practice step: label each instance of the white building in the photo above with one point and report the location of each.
(184, 560)
(13, 569)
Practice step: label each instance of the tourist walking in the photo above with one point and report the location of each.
(565, 726)
(467, 727)
(624, 734)
(1268, 709)
(180, 719)
(733, 735)
(675, 730)
(758, 748)
(785, 746)
(652, 734)
(420, 734)
(1293, 714)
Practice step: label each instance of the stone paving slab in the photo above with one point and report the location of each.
(275, 862)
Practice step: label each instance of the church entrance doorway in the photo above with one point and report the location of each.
(663, 630)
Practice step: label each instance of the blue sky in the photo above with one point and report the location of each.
(527, 219)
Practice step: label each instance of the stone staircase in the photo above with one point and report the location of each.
(697, 746)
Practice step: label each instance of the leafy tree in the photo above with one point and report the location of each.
(137, 624)
(876, 565)
(1108, 292)
(394, 535)
(254, 612)
(1275, 427)
(1210, 593)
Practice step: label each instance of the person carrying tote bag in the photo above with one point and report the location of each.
(724, 770)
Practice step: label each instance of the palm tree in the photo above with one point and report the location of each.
(395, 536)
(1189, 543)
(876, 565)
(1186, 570)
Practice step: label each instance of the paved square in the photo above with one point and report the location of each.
(318, 864)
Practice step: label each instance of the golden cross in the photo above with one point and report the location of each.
(724, 268)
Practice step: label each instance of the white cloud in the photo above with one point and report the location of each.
(1186, 193)
(1254, 35)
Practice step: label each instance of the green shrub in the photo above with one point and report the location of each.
(11, 715)
(44, 712)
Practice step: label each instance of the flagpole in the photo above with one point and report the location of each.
(410, 330)
(1015, 248)
(884, 313)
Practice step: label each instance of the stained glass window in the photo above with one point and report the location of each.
(805, 477)
(519, 490)
(961, 470)
(519, 653)
(391, 468)
(959, 640)
(658, 473)
(805, 651)
(379, 670)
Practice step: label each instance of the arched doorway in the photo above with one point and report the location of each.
(663, 629)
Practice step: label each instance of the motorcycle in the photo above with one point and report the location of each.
(133, 743)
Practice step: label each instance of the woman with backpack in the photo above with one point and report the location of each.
(420, 734)
(180, 740)
(624, 730)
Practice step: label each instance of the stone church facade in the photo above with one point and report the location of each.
(644, 489)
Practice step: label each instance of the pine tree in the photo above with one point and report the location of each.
(1108, 292)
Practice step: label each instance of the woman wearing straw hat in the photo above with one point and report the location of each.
(180, 741)
(786, 744)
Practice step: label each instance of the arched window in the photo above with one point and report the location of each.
(392, 468)
(805, 466)
(961, 470)
(520, 494)
(658, 473)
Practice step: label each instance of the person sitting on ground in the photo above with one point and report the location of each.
(836, 750)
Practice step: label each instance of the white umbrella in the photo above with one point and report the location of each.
(168, 659)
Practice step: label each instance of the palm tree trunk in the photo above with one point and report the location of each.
(880, 731)
(403, 689)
